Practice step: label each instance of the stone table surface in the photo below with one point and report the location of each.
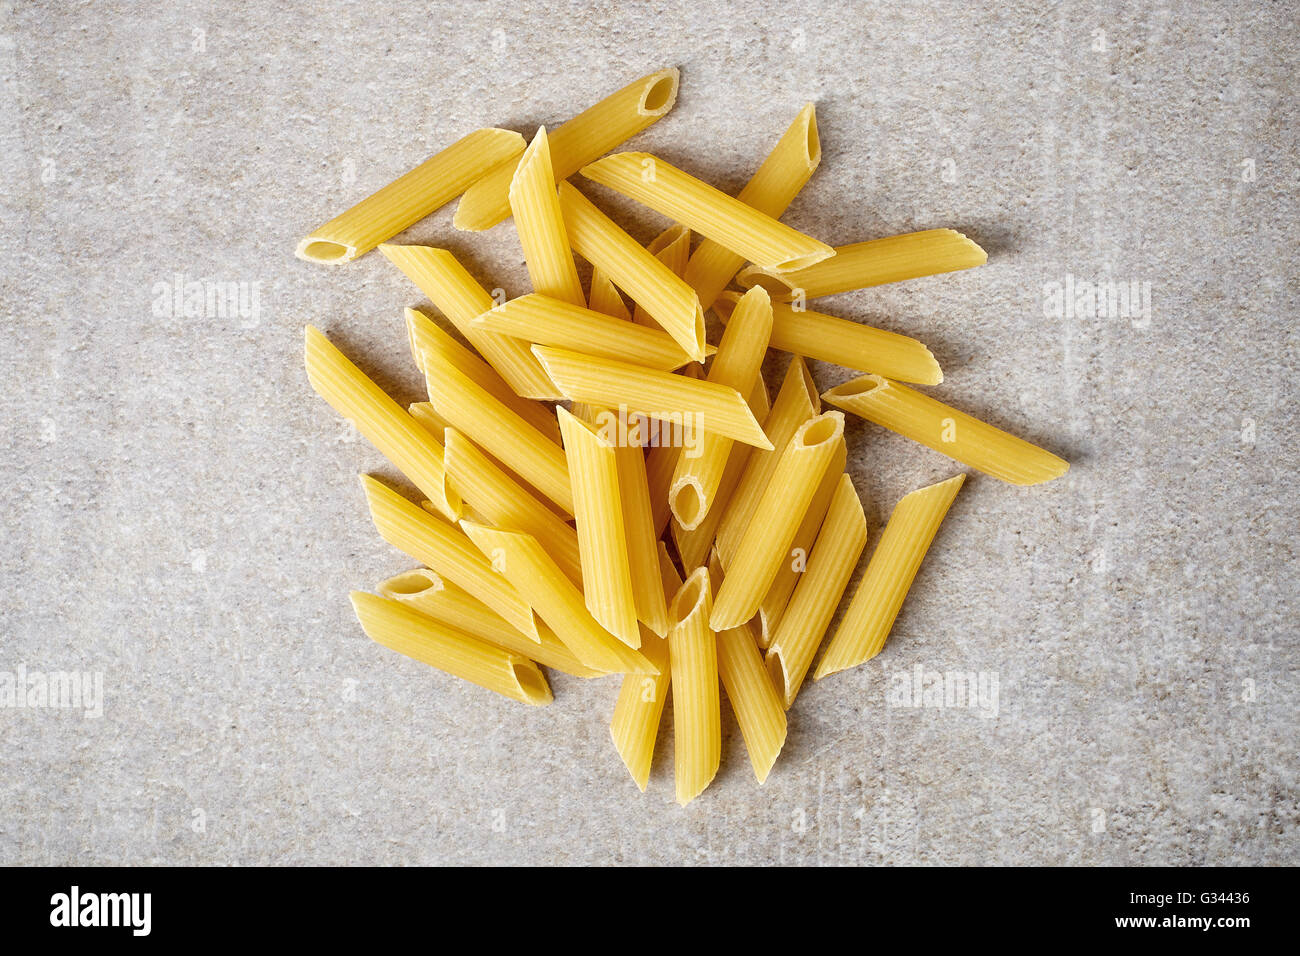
(182, 520)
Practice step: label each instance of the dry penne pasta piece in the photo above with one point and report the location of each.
(384, 423)
(890, 572)
(408, 632)
(425, 591)
(654, 182)
(590, 134)
(796, 403)
(875, 262)
(655, 394)
(453, 291)
(755, 702)
(693, 546)
(426, 336)
(501, 500)
(785, 171)
(661, 464)
(945, 429)
(558, 602)
(409, 198)
(740, 356)
(492, 425)
(642, 539)
(840, 541)
(697, 717)
(787, 577)
(844, 342)
(429, 420)
(766, 541)
(445, 549)
(672, 247)
(653, 286)
(535, 205)
(641, 698)
(602, 538)
(605, 297)
(546, 321)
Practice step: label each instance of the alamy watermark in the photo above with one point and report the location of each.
(184, 298)
(21, 689)
(919, 687)
(1077, 298)
(629, 429)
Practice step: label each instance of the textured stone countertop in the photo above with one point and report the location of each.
(181, 514)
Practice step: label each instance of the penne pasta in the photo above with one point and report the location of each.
(426, 337)
(740, 356)
(408, 632)
(427, 593)
(947, 430)
(697, 718)
(774, 602)
(446, 550)
(754, 700)
(546, 321)
(453, 291)
(504, 435)
(875, 262)
(536, 208)
(844, 342)
(653, 393)
(653, 182)
(605, 297)
(384, 423)
(430, 421)
(866, 624)
(642, 539)
(766, 541)
(665, 297)
(524, 562)
(785, 171)
(498, 498)
(590, 134)
(602, 539)
(641, 698)
(661, 464)
(796, 403)
(409, 198)
(840, 541)
(672, 247)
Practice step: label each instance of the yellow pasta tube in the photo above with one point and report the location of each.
(469, 408)
(875, 262)
(778, 593)
(672, 247)
(660, 466)
(498, 498)
(642, 539)
(446, 550)
(763, 240)
(641, 698)
(453, 291)
(740, 356)
(667, 298)
(947, 430)
(796, 403)
(425, 591)
(408, 632)
(754, 700)
(890, 572)
(429, 420)
(384, 423)
(602, 538)
(546, 321)
(426, 337)
(844, 342)
(696, 405)
(536, 208)
(785, 171)
(697, 718)
(840, 541)
(592, 133)
(410, 198)
(776, 518)
(605, 297)
(523, 561)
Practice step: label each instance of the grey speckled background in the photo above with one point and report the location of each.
(181, 514)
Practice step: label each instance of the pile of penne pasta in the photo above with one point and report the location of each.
(675, 523)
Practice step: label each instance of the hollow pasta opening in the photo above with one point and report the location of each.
(821, 430)
(660, 95)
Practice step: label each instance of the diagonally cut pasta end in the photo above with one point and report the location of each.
(775, 662)
(326, 251)
(533, 688)
(808, 117)
(410, 584)
(820, 253)
(855, 387)
(660, 92)
(778, 288)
